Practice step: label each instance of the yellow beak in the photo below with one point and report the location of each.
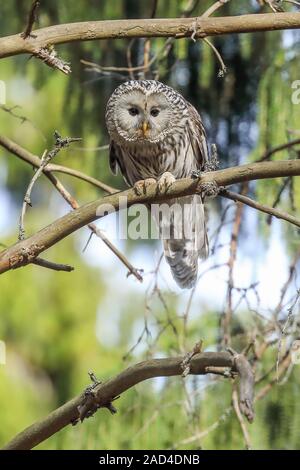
(145, 127)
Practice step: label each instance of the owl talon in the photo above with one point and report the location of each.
(140, 187)
(165, 182)
(196, 174)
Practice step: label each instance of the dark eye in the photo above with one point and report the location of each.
(133, 111)
(154, 112)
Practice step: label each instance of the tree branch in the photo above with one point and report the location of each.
(26, 156)
(25, 251)
(60, 143)
(260, 207)
(146, 28)
(104, 393)
(269, 153)
(55, 266)
(31, 19)
(35, 161)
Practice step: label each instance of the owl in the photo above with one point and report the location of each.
(156, 135)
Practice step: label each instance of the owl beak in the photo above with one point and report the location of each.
(145, 127)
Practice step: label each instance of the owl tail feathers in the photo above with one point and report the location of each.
(183, 263)
(182, 253)
(182, 257)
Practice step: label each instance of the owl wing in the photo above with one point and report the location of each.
(116, 160)
(197, 137)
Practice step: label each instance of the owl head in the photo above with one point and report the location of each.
(144, 111)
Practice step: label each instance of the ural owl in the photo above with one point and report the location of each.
(156, 135)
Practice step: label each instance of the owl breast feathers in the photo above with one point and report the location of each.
(155, 132)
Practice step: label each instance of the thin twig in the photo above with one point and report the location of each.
(201, 435)
(269, 153)
(283, 331)
(35, 161)
(223, 68)
(282, 188)
(95, 230)
(260, 207)
(27, 197)
(60, 143)
(100, 69)
(293, 2)
(214, 8)
(227, 316)
(55, 266)
(235, 402)
(31, 20)
(22, 118)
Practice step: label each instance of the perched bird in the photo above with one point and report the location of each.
(156, 135)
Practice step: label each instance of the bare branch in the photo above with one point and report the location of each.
(213, 8)
(27, 197)
(104, 393)
(25, 251)
(55, 266)
(31, 19)
(47, 168)
(223, 68)
(260, 207)
(146, 28)
(227, 315)
(268, 154)
(94, 229)
(35, 161)
(240, 418)
(46, 158)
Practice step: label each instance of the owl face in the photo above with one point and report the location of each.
(142, 112)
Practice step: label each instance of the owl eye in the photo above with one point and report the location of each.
(133, 111)
(154, 112)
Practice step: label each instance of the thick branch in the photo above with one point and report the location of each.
(25, 251)
(175, 27)
(105, 392)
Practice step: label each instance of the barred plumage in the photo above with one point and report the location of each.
(155, 132)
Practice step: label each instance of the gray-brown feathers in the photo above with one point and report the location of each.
(154, 130)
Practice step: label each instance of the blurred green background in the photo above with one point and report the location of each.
(58, 326)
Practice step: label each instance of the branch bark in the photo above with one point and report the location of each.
(144, 28)
(25, 251)
(104, 393)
